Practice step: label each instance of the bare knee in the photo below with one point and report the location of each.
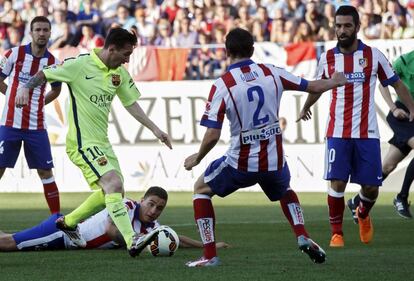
(388, 167)
(371, 192)
(200, 187)
(111, 183)
(45, 174)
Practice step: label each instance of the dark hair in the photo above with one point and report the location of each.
(39, 19)
(157, 191)
(347, 10)
(239, 43)
(119, 37)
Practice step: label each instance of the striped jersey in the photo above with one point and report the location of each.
(352, 109)
(249, 95)
(93, 229)
(20, 65)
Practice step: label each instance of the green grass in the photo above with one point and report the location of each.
(263, 246)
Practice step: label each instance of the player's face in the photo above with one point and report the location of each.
(345, 30)
(119, 56)
(151, 208)
(40, 34)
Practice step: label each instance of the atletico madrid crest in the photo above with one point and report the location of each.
(116, 80)
(363, 62)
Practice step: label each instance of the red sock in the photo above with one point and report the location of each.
(364, 207)
(205, 220)
(51, 194)
(293, 212)
(336, 213)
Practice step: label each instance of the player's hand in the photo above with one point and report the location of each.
(191, 161)
(222, 245)
(305, 115)
(339, 78)
(163, 137)
(22, 97)
(400, 114)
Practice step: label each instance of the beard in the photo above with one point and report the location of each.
(347, 41)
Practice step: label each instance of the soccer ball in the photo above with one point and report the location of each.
(165, 244)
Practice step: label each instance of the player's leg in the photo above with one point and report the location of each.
(220, 179)
(44, 236)
(338, 162)
(401, 200)
(366, 171)
(10, 143)
(39, 156)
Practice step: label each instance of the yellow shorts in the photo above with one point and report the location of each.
(94, 161)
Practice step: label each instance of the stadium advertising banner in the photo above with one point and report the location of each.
(177, 108)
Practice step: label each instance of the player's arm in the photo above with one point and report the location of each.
(210, 139)
(3, 86)
(53, 94)
(397, 112)
(22, 96)
(187, 242)
(136, 111)
(404, 94)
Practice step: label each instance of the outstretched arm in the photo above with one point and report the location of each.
(136, 111)
(187, 242)
(52, 94)
(404, 94)
(397, 112)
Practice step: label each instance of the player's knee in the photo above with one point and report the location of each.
(387, 168)
(45, 174)
(371, 192)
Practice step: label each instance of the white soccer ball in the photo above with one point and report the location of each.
(165, 244)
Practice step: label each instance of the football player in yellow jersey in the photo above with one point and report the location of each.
(94, 80)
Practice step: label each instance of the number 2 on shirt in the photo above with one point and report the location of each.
(251, 92)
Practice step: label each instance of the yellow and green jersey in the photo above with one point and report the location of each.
(92, 88)
(404, 67)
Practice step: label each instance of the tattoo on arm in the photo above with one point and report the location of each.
(36, 80)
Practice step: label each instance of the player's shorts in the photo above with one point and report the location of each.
(359, 159)
(223, 179)
(44, 236)
(35, 143)
(403, 130)
(94, 161)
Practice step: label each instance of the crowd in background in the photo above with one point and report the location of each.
(199, 24)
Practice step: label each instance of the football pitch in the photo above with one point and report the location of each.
(263, 246)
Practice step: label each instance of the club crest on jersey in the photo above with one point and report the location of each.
(363, 62)
(116, 80)
(102, 161)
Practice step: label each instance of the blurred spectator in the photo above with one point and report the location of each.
(145, 28)
(369, 28)
(57, 25)
(13, 39)
(123, 17)
(90, 39)
(152, 11)
(70, 15)
(170, 10)
(303, 33)
(65, 39)
(28, 12)
(163, 38)
(244, 20)
(222, 17)
(292, 9)
(90, 16)
(218, 63)
(277, 34)
(186, 37)
(327, 28)
(313, 17)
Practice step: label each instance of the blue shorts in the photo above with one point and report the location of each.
(44, 236)
(224, 179)
(36, 148)
(359, 159)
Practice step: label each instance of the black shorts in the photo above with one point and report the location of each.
(403, 130)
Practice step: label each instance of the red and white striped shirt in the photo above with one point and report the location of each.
(352, 108)
(249, 95)
(93, 230)
(20, 65)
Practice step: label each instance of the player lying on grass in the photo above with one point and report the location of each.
(99, 231)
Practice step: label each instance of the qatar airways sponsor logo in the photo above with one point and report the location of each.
(295, 211)
(205, 225)
(252, 136)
